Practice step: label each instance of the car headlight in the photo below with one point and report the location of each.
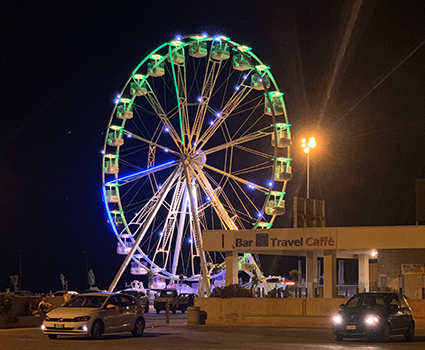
(372, 320)
(82, 319)
(46, 318)
(337, 319)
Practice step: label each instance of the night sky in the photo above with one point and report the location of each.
(352, 73)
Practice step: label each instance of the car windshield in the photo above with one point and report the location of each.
(366, 301)
(92, 301)
(372, 301)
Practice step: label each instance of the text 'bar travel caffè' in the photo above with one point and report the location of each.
(259, 240)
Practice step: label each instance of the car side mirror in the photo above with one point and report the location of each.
(342, 306)
(394, 307)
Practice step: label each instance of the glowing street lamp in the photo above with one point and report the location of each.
(307, 146)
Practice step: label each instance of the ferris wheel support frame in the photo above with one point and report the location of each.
(146, 225)
(205, 280)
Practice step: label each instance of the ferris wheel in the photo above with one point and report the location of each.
(198, 139)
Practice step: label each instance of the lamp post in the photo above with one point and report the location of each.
(307, 146)
(87, 267)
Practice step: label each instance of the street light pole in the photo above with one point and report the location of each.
(87, 267)
(308, 175)
(20, 271)
(307, 146)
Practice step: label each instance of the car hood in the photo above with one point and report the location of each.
(71, 312)
(362, 312)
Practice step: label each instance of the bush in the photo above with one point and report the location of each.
(279, 293)
(232, 291)
(6, 305)
(294, 274)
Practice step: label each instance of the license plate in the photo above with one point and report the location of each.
(59, 325)
(351, 327)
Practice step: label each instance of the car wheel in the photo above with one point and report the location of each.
(338, 337)
(174, 310)
(385, 335)
(146, 309)
(53, 336)
(183, 310)
(139, 327)
(97, 330)
(410, 333)
(157, 311)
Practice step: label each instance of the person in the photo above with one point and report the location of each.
(43, 307)
(33, 305)
(66, 296)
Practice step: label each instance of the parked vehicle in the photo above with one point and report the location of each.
(59, 293)
(92, 314)
(166, 296)
(186, 299)
(24, 293)
(374, 315)
(141, 296)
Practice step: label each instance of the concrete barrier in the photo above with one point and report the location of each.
(286, 312)
(21, 314)
(193, 315)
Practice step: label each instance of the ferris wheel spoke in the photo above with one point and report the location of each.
(159, 110)
(150, 143)
(244, 139)
(132, 177)
(230, 106)
(211, 74)
(254, 151)
(254, 168)
(231, 176)
(179, 237)
(217, 205)
(179, 77)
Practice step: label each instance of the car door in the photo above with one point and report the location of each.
(113, 316)
(128, 310)
(398, 316)
(407, 316)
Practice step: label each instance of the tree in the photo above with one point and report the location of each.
(295, 274)
(254, 282)
(14, 279)
(151, 277)
(181, 278)
(91, 279)
(63, 282)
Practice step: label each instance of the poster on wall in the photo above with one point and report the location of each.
(412, 269)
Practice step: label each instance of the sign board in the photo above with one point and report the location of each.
(412, 269)
(247, 267)
(269, 240)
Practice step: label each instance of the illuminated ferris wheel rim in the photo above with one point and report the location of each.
(189, 155)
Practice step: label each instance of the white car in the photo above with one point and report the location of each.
(92, 314)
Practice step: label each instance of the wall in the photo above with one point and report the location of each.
(390, 261)
(286, 312)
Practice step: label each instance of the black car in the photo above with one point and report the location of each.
(142, 297)
(374, 315)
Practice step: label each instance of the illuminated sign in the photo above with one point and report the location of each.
(263, 240)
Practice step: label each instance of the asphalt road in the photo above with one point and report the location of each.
(177, 335)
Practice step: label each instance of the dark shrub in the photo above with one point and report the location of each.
(232, 291)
